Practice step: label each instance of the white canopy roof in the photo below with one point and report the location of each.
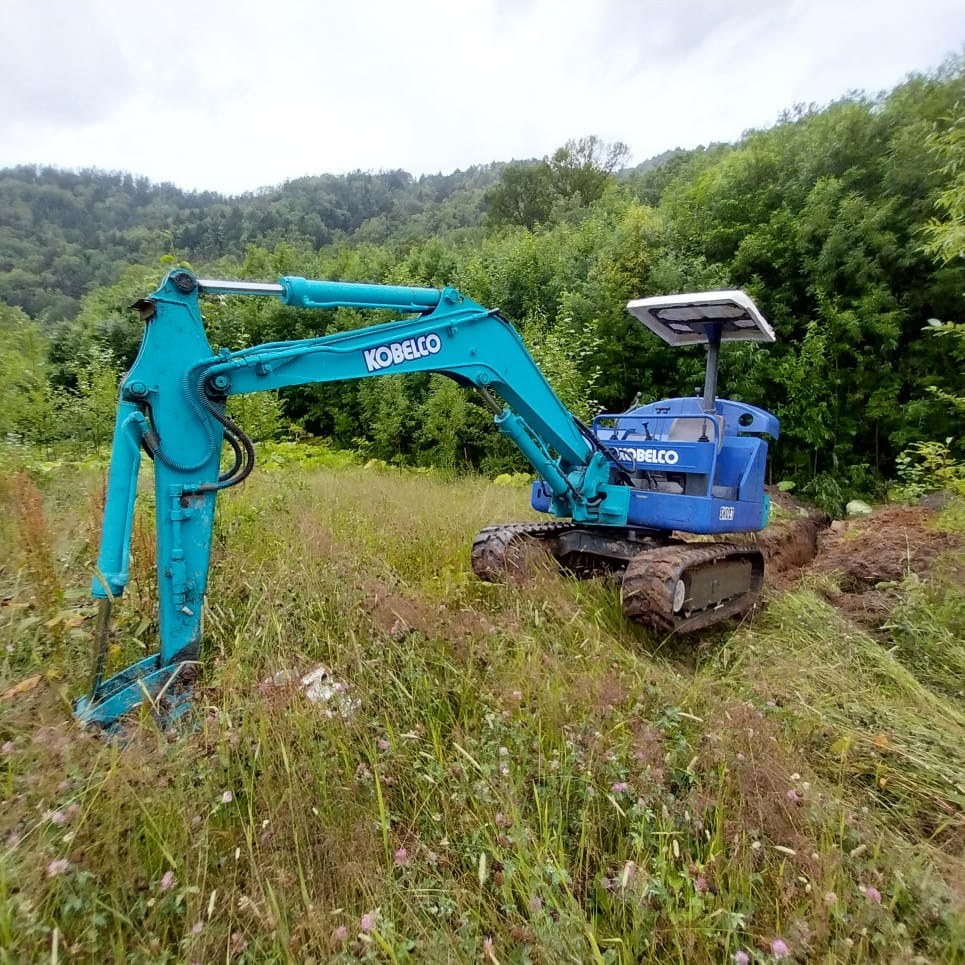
(683, 319)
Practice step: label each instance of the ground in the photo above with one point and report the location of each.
(515, 774)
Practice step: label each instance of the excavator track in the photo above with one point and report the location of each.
(673, 586)
(684, 588)
(497, 551)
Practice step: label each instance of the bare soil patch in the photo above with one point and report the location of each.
(870, 556)
(867, 557)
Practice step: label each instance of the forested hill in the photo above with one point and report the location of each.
(846, 224)
(64, 233)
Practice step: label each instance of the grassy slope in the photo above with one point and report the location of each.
(525, 778)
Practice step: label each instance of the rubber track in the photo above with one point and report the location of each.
(491, 559)
(651, 577)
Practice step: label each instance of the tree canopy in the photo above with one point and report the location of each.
(844, 223)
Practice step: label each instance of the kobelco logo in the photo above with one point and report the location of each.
(656, 457)
(408, 350)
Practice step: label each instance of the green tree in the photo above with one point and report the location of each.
(26, 400)
(946, 234)
(524, 196)
(582, 168)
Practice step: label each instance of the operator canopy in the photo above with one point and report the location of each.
(685, 319)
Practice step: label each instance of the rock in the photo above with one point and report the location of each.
(935, 501)
(857, 507)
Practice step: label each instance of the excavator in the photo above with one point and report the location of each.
(624, 492)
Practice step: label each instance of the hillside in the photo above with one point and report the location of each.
(63, 234)
(843, 223)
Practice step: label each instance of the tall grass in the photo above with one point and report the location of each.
(518, 775)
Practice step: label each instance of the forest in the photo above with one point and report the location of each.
(846, 224)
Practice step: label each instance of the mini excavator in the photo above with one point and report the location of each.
(624, 492)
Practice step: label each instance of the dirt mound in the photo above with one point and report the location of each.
(869, 556)
(883, 547)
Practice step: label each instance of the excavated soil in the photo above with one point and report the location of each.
(866, 557)
(790, 541)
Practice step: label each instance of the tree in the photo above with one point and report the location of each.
(524, 196)
(581, 169)
(576, 174)
(946, 235)
(26, 405)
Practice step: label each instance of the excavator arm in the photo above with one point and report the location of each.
(172, 406)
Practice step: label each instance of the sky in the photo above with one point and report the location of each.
(233, 95)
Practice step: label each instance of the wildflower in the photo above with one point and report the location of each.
(872, 894)
(59, 866)
(606, 884)
(489, 952)
(779, 948)
(700, 885)
(830, 897)
(504, 752)
(517, 695)
(227, 797)
(7, 747)
(339, 935)
(741, 957)
(535, 904)
(621, 787)
(168, 881)
(501, 820)
(740, 757)
(367, 923)
(383, 744)
(59, 818)
(197, 928)
(402, 859)
(504, 770)
(793, 796)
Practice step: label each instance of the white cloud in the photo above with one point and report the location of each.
(235, 95)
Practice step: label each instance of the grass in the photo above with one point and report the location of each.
(524, 777)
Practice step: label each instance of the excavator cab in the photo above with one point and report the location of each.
(711, 451)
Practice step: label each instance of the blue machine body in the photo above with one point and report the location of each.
(716, 461)
(665, 466)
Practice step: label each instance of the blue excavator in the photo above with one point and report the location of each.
(624, 492)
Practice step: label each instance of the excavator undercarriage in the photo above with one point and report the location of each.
(665, 583)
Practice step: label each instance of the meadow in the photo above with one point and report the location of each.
(499, 773)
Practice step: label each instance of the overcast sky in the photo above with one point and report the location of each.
(236, 95)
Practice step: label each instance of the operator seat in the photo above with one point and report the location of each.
(695, 428)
